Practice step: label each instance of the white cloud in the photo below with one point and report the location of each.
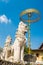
(4, 19)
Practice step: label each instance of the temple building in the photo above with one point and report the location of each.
(39, 53)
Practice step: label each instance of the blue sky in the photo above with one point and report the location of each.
(9, 19)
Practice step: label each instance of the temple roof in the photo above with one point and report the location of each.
(41, 47)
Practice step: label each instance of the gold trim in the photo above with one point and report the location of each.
(30, 11)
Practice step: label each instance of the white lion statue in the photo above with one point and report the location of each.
(18, 47)
(6, 50)
(19, 42)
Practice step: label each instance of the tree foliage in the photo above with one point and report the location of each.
(25, 50)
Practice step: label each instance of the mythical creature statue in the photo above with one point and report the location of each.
(18, 47)
(19, 42)
(7, 49)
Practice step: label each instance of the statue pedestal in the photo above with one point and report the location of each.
(3, 62)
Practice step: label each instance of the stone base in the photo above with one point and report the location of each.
(3, 62)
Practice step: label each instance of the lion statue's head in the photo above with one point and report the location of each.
(22, 27)
(8, 40)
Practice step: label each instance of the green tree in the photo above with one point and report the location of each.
(26, 50)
